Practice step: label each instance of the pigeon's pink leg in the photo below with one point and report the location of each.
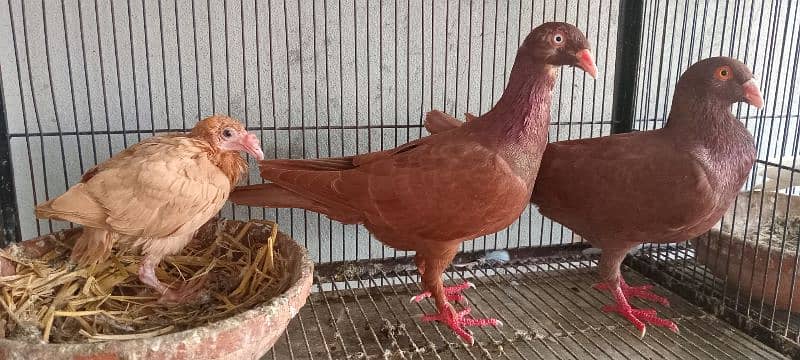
(147, 276)
(642, 292)
(638, 317)
(432, 282)
(451, 293)
(457, 320)
(611, 279)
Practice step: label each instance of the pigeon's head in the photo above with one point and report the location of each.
(557, 44)
(722, 79)
(228, 134)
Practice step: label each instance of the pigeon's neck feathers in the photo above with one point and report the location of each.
(523, 112)
(517, 125)
(706, 127)
(705, 119)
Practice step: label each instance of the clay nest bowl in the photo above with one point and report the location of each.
(257, 279)
(759, 261)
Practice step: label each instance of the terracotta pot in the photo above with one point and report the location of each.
(729, 251)
(247, 335)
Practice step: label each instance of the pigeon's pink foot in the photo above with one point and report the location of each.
(451, 293)
(185, 293)
(457, 320)
(638, 317)
(644, 292)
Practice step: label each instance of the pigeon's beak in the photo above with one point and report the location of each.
(751, 93)
(585, 61)
(250, 145)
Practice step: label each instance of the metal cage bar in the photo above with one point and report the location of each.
(629, 44)
(8, 196)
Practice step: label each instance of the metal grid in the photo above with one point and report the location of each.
(82, 79)
(676, 268)
(548, 308)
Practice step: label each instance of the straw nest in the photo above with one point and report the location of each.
(50, 299)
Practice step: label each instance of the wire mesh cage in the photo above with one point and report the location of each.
(83, 79)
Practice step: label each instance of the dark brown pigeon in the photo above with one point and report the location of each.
(659, 186)
(419, 196)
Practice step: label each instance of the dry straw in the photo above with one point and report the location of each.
(49, 299)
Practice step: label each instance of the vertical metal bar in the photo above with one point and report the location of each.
(8, 194)
(67, 48)
(341, 110)
(328, 114)
(133, 73)
(380, 96)
(197, 61)
(647, 48)
(163, 59)
(492, 92)
(211, 56)
(258, 81)
(303, 110)
(629, 40)
(56, 115)
(36, 117)
(355, 100)
(118, 78)
(245, 85)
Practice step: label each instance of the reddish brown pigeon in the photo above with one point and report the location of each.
(155, 194)
(660, 186)
(419, 196)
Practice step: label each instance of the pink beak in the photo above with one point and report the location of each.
(250, 144)
(586, 62)
(751, 93)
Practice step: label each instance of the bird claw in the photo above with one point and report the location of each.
(644, 292)
(458, 320)
(638, 317)
(451, 293)
(641, 317)
(184, 293)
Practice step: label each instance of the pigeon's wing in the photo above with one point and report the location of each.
(153, 189)
(440, 187)
(623, 188)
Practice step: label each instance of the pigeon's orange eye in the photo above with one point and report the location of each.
(723, 73)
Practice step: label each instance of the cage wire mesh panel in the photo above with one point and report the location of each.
(548, 309)
(766, 36)
(84, 79)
